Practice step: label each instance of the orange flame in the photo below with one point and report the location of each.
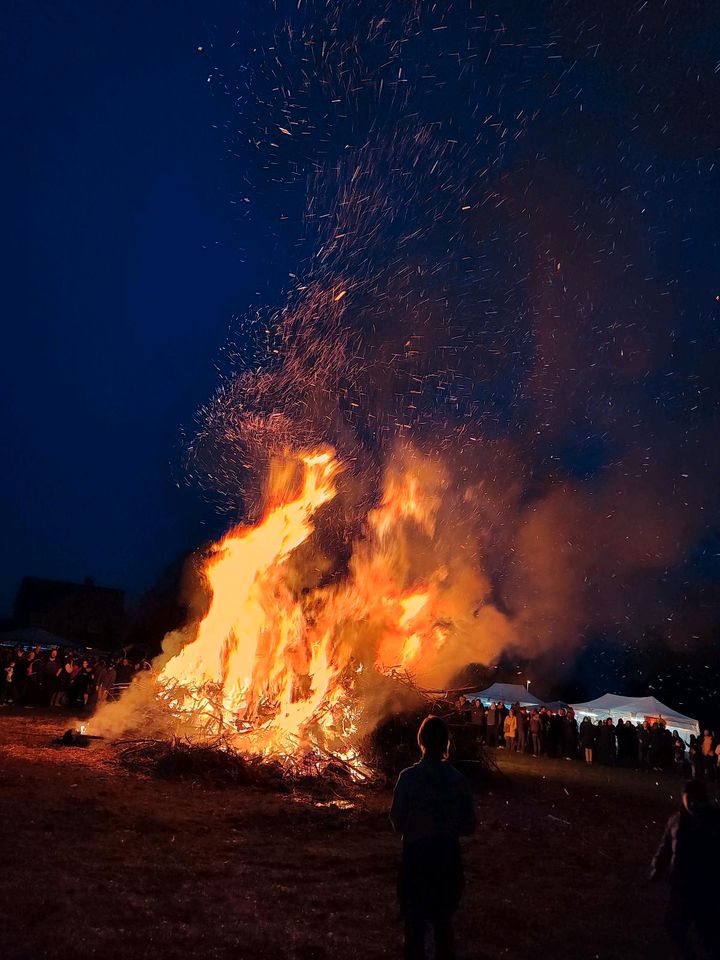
(281, 670)
(252, 643)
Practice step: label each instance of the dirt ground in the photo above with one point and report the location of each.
(99, 862)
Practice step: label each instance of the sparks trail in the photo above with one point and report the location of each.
(454, 299)
(379, 332)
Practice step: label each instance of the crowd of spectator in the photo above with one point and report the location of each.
(542, 732)
(69, 678)
(63, 678)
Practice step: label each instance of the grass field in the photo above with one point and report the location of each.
(100, 862)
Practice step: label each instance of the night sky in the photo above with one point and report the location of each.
(515, 210)
(122, 269)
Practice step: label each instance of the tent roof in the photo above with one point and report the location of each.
(645, 706)
(608, 701)
(35, 636)
(652, 707)
(508, 693)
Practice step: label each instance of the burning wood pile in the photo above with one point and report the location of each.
(298, 672)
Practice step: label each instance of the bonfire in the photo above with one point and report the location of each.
(300, 676)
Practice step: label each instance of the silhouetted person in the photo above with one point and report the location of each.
(621, 741)
(606, 743)
(51, 669)
(432, 808)
(491, 725)
(644, 746)
(569, 734)
(587, 738)
(6, 678)
(503, 711)
(535, 728)
(656, 746)
(678, 753)
(61, 697)
(694, 755)
(554, 738)
(522, 729)
(631, 741)
(19, 677)
(477, 717)
(31, 679)
(545, 717)
(81, 686)
(124, 672)
(707, 752)
(689, 852)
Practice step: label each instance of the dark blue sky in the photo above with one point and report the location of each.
(121, 270)
(570, 236)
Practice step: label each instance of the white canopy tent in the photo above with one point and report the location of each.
(637, 709)
(508, 693)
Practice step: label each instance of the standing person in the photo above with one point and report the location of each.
(707, 754)
(61, 697)
(101, 684)
(510, 730)
(544, 730)
(110, 681)
(104, 681)
(555, 730)
(502, 714)
(601, 742)
(569, 734)
(694, 756)
(631, 739)
(51, 669)
(666, 756)
(7, 680)
(432, 808)
(80, 688)
(477, 718)
(689, 852)
(621, 741)
(522, 729)
(611, 741)
(644, 739)
(491, 721)
(678, 753)
(587, 738)
(19, 677)
(124, 673)
(655, 745)
(32, 679)
(535, 725)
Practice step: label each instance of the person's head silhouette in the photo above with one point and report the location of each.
(433, 738)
